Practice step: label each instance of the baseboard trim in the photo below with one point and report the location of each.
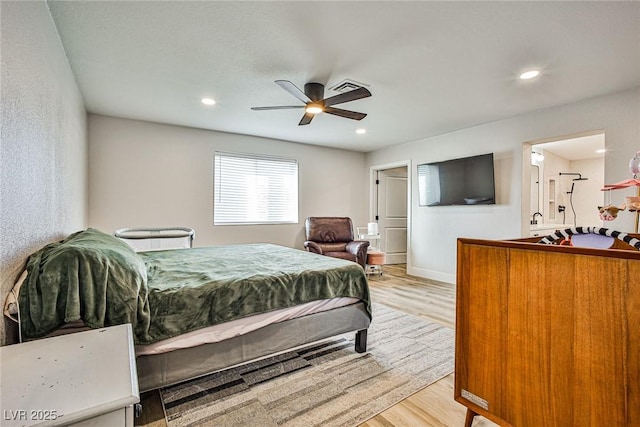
(431, 274)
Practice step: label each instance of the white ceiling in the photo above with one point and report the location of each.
(432, 67)
(580, 148)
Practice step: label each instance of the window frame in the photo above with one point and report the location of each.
(255, 157)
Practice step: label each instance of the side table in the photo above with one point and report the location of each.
(375, 261)
(80, 379)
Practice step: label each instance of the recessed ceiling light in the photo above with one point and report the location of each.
(601, 150)
(529, 74)
(208, 101)
(361, 131)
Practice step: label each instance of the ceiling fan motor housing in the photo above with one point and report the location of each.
(315, 91)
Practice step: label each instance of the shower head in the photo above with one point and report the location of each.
(579, 178)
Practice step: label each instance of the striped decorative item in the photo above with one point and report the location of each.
(564, 234)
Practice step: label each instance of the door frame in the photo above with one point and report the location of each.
(527, 148)
(373, 197)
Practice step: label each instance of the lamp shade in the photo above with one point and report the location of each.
(372, 228)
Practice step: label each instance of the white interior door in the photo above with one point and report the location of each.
(392, 214)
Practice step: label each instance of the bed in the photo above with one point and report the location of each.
(193, 311)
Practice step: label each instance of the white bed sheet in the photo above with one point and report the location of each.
(223, 331)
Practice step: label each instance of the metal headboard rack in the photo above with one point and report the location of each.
(154, 238)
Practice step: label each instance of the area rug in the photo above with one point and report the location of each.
(325, 384)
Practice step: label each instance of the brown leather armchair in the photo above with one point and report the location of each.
(333, 236)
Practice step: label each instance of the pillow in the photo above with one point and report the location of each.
(90, 276)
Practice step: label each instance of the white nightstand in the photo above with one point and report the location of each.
(82, 379)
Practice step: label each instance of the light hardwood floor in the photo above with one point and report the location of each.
(432, 406)
(430, 300)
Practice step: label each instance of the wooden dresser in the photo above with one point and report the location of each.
(548, 335)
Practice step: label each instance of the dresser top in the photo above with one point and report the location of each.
(73, 377)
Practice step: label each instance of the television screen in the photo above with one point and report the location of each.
(466, 181)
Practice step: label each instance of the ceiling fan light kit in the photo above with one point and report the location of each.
(314, 108)
(312, 97)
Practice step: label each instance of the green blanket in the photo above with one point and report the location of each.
(95, 277)
(89, 276)
(193, 288)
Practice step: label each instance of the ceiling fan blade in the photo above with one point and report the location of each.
(306, 119)
(282, 107)
(354, 115)
(352, 95)
(293, 90)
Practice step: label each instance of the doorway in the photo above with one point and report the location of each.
(567, 175)
(390, 209)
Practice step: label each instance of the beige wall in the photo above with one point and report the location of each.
(43, 157)
(434, 230)
(145, 174)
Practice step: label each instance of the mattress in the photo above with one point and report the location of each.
(234, 328)
(208, 335)
(192, 289)
(160, 370)
(175, 298)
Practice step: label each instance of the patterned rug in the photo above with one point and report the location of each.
(326, 384)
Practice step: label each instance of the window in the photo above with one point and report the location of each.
(254, 189)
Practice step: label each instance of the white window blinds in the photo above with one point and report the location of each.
(254, 189)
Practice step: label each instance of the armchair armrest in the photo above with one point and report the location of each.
(359, 249)
(313, 247)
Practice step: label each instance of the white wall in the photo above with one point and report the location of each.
(434, 230)
(552, 198)
(43, 155)
(145, 174)
(587, 195)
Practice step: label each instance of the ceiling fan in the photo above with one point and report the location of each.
(314, 103)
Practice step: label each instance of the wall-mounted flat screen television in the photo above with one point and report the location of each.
(465, 181)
